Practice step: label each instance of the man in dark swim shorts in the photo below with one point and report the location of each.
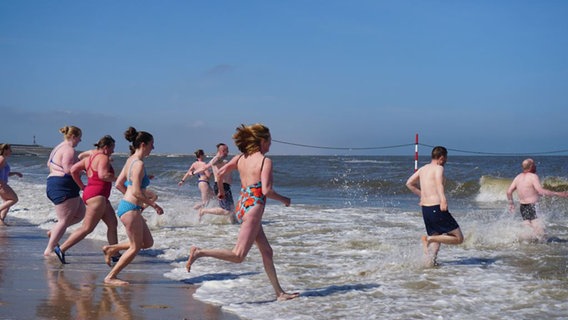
(528, 187)
(428, 183)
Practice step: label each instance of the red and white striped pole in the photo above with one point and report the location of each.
(416, 154)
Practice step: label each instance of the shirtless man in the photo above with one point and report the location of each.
(226, 204)
(529, 191)
(428, 183)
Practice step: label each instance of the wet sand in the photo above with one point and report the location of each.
(32, 287)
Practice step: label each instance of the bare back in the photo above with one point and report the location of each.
(428, 183)
(250, 168)
(528, 187)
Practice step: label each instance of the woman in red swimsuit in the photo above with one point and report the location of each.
(100, 175)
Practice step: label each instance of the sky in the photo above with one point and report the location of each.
(342, 77)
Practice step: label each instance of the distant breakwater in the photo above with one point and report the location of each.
(30, 149)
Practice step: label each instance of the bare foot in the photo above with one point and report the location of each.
(287, 296)
(3, 224)
(115, 282)
(107, 250)
(193, 252)
(201, 213)
(198, 206)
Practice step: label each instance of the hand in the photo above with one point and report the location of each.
(158, 209)
(511, 207)
(221, 195)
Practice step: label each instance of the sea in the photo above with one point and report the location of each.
(350, 241)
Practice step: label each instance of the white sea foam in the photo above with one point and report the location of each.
(357, 262)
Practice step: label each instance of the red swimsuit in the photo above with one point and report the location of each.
(95, 186)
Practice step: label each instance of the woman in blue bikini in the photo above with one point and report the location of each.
(255, 172)
(132, 182)
(202, 179)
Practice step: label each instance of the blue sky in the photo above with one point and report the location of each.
(483, 76)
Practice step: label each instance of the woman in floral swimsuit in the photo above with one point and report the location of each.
(255, 172)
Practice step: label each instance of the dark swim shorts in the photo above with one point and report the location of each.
(60, 189)
(528, 211)
(227, 202)
(438, 221)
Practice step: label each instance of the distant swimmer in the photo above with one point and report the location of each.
(528, 187)
(255, 171)
(7, 194)
(428, 183)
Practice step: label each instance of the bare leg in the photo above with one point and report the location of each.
(10, 198)
(218, 211)
(433, 242)
(69, 212)
(267, 255)
(94, 211)
(112, 250)
(247, 235)
(139, 237)
(538, 228)
(109, 218)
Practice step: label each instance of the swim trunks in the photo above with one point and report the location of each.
(62, 188)
(95, 186)
(437, 221)
(125, 206)
(227, 202)
(528, 211)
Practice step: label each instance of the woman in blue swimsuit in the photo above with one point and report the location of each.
(7, 194)
(62, 189)
(255, 172)
(132, 182)
(202, 179)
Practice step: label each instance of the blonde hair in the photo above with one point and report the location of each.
(70, 132)
(248, 138)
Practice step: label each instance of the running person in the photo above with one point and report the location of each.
(100, 175)
(255, 171)
(132, 182)
(61, 188)
(428, 183)
(529, 189)
(226, 204)
(202, 179)
(7, 194)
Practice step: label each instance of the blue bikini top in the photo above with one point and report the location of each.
(145, 179)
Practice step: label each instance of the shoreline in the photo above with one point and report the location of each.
(32, 286)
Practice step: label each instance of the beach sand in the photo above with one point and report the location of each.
(32, 287)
